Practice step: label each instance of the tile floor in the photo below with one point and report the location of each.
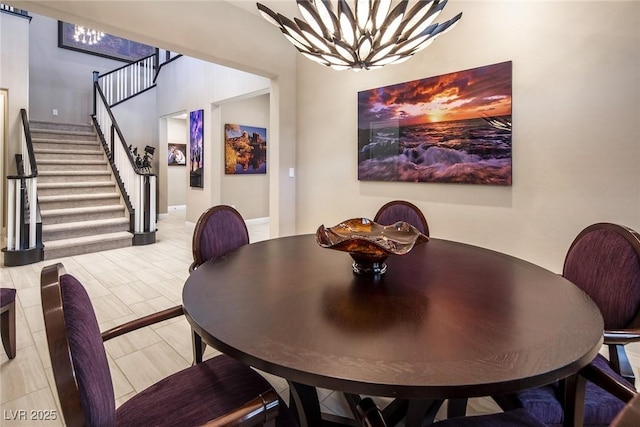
(125, 284)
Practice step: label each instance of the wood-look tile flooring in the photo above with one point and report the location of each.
(125, 284)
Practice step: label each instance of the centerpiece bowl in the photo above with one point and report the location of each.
(370, 243)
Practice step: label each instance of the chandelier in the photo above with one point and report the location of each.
(87, 35)
(368, 36)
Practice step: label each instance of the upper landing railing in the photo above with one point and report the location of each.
(134, 78)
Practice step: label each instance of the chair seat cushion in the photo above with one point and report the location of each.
(7, 296)
(600, 407)
(196, 395)
(514, 418)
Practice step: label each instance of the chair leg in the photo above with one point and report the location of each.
(8, 329)
(456, 408)
(198, 347)
(619, 361)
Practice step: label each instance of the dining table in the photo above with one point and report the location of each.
(447, 320)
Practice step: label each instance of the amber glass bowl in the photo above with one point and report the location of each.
(370, 243)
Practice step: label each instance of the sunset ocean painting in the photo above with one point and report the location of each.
(452, 128)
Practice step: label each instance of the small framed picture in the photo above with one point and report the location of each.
(176, 155)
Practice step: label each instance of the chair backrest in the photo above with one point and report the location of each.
(78, 358)
(401, 210)
(604, 261)
(219, 230)
(7, 296)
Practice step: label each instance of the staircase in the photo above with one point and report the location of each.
(80, 205)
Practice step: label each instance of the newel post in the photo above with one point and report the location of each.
(96, 76)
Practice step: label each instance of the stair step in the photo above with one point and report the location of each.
(40, 125)
(69, 165)
(65, 154)
(82, 245)
(77, 200)
(82, 187)
(57, 216)
(51, 232)
(72, 176)
(57, 144)
(64, 134)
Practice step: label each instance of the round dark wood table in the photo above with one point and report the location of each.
(448, 320)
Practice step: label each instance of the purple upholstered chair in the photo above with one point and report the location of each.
(604, 261)
(219, 230)
(628, 417)
(8, 319)
(221, 389)
(400, 210)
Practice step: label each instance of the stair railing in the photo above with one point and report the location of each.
(138, 187)
(128, 81)
(24, 229)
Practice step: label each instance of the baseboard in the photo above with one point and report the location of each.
(257, 221)
(177, 208)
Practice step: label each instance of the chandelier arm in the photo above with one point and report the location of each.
(380, 11)
(417, 16)
(390, 27)
(432, 14)
(311, 16)
(290, 27)
(328, 17)
(363, 14)
(269, 15)
(317, 40)
(347, 23)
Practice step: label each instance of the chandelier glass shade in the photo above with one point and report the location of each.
(87, 35)
(367, 34)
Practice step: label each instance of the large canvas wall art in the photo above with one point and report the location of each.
(245, 149)
(453, 128)
(196, 148)
(109, 46)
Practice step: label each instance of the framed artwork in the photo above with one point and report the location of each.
(453, 128)
(176, 155)
(109, 46)
(245, 149)
(196, 148)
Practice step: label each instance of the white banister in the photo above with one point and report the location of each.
(32, 191)
(140, 187)
(11, 214)
(128, 81)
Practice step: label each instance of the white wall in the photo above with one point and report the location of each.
(189, 84)
(576, 135)
(61, 79)
(138, 121)
(14, 78)
(248, 193)
(177, 177)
